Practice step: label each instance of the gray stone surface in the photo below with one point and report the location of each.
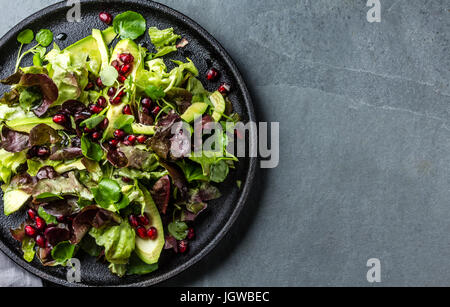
(365, 140)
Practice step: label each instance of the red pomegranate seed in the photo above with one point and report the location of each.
(191, 233)
(119, 134)
(224, 89)
(156, 111)
(114, 143)
(105, 17)
(131, 139)
(117, 100)
(43, 151)
(141, 139)
(40, 241)
(99, 82)
(141, 232)
(112, 91)
(59, 119)
(126, 58)
(121, 79)
(104, 124)
(127, 110)
(95, 108)
(101, 102)
(115, 64)
(126, 143)
(40, 223)
(125, 69)
(96, 136)
(152, 233)
(61, 219)
(127, 180)
(147, 103)
(143, 219)
(30, 231)
(87, 130)
(212, 74)
(133, 221)
(31, 214)
(89, 86)
(182, 246)
(121, 93)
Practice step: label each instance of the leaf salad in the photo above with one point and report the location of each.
(92, 149)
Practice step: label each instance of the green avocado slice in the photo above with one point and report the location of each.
(195, 109)
(219, 105)
(14, 200)
(102, 47)
(150, 250)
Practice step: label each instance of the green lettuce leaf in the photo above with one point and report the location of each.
(9, 163)
(119, 242)
(163, 40)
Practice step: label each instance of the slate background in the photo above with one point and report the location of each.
(365, 140)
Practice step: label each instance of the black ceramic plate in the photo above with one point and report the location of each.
(205, 51)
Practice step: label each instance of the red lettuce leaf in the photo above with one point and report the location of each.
(14, 141)
(161, 193)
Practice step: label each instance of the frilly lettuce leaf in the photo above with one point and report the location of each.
(9, 163)
(119, 242)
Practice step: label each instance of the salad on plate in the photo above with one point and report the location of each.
(97, 146)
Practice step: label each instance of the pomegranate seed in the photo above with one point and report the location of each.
(114, 143)
(212, 74)
(59, 119)
(121, 93)
(143, 219)
(99, 82)
(141, 232)
(191, 233)
(125, 69)
(121, 79)
(224, 89)
(127, 180)
(182, 246)
(61, 219)
(126, 58)
(101, 102)
(31, 214)
(127, 110)
(141, 139)
(89, 86)
(43, 151)
(133, 221)
(95, 108)
(104, 124)
(119, 134)
(156, 110)
(105, 17)
(30, 231)
(96, 136)
(40, 223)
(40, 241)
(115, 64)
(87, 130)
(112, 91)
(152, 233)
(131, 139)
(147, 103)
(117, 100)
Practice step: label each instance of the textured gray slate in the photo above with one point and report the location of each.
(365, 140)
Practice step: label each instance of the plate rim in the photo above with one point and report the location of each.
(250, 174)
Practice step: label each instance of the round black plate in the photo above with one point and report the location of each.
(205, 51)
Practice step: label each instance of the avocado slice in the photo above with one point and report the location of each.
(89, 47)
(194, 110)
(14, 200)
(219, 105)
(64, 168)
(142, 129)
(128, 46)
(26, 124)
(150, 250)
(102, 47)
